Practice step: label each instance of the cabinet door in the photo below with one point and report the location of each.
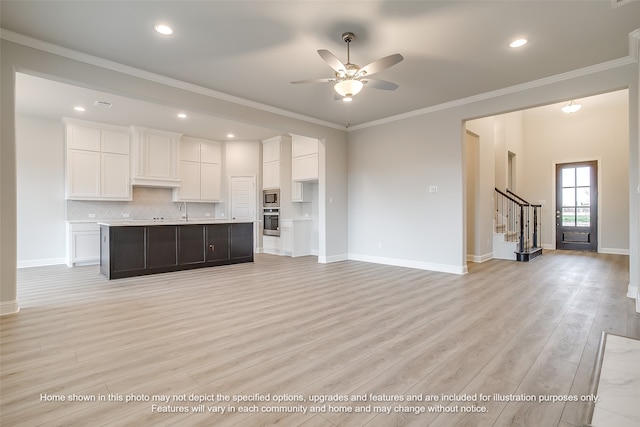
(189, 181)
(217, 242)
(271, 175)
(115, 177)
(271, 151)
(83, 138)
(210, 177)
(297, 191)
(302, 146)
(304, 168)
(190, 149)
(159, 156)
(241, 240)
(191, 244)
(115, 142)
(83, 174)
(210, 152)
(127, 249)
(162, 246)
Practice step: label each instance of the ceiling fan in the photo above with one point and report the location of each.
(349, 78)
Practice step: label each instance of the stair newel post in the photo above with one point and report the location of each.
(535, 226)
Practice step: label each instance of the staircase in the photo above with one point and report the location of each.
(516, 225)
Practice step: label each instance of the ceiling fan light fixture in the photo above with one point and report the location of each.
(347, 99)
(349, 87)
(571, 107)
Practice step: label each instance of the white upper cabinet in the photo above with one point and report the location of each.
(304, 158)
(272, 169)
(97, 161)
(155, 157)
(200, 171)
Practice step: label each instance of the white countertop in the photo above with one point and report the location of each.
(147, 222)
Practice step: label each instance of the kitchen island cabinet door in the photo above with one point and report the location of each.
(191, 243)
(217, 242)
(162, 246)
(127, 249)
(241, 242)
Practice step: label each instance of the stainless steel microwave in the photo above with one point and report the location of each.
(271, 198)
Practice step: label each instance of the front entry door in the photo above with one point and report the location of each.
(577, 206)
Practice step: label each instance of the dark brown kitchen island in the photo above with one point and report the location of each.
(136, 248)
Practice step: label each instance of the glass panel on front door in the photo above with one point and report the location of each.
(576, 206)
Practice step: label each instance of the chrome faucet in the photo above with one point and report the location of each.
(186, 213)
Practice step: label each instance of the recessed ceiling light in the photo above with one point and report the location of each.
(80, 109)
(518, 43)
(182, 115)
(230, 135)
(164, 29)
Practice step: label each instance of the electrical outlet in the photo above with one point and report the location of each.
(125, 215)
(92, 215)
(207, 214)
(433, 189)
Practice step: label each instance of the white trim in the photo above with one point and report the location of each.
(616, 63)
(332, 258)
(421, 265)
(480, 258)
(9, 307)
(548, 246)
(614, 251)
(41, 262)
(157, 78)
(632, 291)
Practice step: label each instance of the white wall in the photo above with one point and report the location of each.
(392, 164)
(599, 131)
(41, 202)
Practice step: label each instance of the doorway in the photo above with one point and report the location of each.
(577, 206)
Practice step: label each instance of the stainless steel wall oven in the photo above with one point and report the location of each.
(271, 222)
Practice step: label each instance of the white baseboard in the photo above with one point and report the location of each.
(480, 258)
(9, 307)
(41, 262)
(548, 246)
(421, 265)
(614, 251)
(332, 258)
(632, 292)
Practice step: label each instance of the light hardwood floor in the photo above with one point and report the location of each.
(283, 327)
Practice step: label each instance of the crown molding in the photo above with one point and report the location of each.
(508, 90)
(157, 78)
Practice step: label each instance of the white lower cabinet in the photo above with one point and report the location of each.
(295, 236)
(83, 243)
(272, 244)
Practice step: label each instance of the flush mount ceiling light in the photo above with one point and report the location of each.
(349, 78)
(164, 29)
(182, 115)
(518, 43)
(230, 135)
(571, 107)
(79, 109)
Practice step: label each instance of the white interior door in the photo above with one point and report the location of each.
(243, 198)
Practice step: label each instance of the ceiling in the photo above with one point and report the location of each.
(253, 49)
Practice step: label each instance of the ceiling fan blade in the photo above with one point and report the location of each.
(327, 80)
(379, 84)
(379, 65)
(332, 60)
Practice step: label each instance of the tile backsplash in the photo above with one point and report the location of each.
(147, 203)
